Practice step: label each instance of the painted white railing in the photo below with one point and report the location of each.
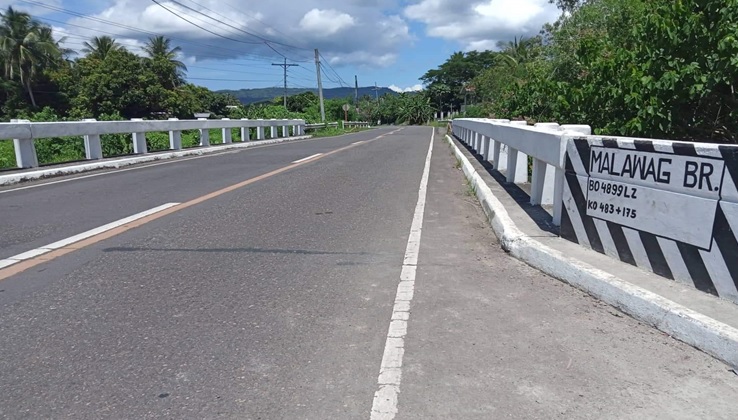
(507, 145)
(24, 133)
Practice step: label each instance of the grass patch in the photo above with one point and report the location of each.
(336, 131)
(471, 189)
(7, 154)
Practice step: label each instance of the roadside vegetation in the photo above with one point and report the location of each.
(647, 68)
(40, 80)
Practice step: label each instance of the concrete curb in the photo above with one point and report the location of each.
(711, 336)
(15, 178)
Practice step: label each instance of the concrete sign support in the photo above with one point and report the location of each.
(668, 207)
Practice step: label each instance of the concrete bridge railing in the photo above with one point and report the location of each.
(24, 133)
(507, 144)
(669, 207)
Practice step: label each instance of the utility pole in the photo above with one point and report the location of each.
(356, 90)
(320, 85)
(376, 92)
(285, 66)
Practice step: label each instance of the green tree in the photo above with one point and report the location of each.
(414, 109)
(26, 47)
(116, 84)
(100, 47)
(164, 58)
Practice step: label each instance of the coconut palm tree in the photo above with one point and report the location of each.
(26, 47)
(160, 48)
(100, 46)
(46, 34)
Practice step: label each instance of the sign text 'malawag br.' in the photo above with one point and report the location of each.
(664, 194)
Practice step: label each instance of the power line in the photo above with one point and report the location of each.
(133, 29)
(334, 72)
(285, 66)
(225, 3)
(252, 34)
(198, 26)
(265, 41)
(230, 80)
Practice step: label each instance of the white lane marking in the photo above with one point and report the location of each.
(307, 158)
(357, 142)
(84, 235)
(111, 171)
(384, 406)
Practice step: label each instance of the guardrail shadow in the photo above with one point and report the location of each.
(539, 215)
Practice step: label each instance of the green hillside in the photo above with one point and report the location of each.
(251, 96)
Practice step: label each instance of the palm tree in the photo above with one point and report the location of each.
(519, 51)
(160, 48)
(100, 46)
(26, 47)
(46, 34)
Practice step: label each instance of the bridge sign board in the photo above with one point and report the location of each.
(668, 207)
(638, 189)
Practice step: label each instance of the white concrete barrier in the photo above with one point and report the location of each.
(669, 207)
(507, 145)
(24, 133)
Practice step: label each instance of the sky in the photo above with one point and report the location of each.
(232, 44)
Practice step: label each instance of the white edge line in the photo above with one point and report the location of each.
(7, 262)
(385, 403)
(116, 171)
(308, 158)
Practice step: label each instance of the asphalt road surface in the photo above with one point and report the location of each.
(268, 293)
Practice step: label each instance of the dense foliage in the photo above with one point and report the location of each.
(652, 68)
(104, 79)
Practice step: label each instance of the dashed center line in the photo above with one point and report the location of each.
(308, 158)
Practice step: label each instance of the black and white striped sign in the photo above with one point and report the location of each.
(668, 207)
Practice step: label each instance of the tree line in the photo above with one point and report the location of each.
(647, 68)
(41, 81)
(104, 81)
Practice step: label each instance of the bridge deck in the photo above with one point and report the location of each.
(269, 292)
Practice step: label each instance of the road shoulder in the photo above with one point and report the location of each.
(490, 336)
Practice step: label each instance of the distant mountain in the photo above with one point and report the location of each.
(252, 96)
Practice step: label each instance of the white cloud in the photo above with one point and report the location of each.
(33, 9)
(415, 88)
(479, 25)
(367, 33)
(326, 22)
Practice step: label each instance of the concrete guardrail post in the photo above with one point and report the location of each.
(543, 179)
(25, 150)
(245, 131)
(517, 162)
(227, 133)
(204, 134)
(272, 129)
(93, 146)
(485, 148)
(260, 131)
(139, 140)
(175, 137)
